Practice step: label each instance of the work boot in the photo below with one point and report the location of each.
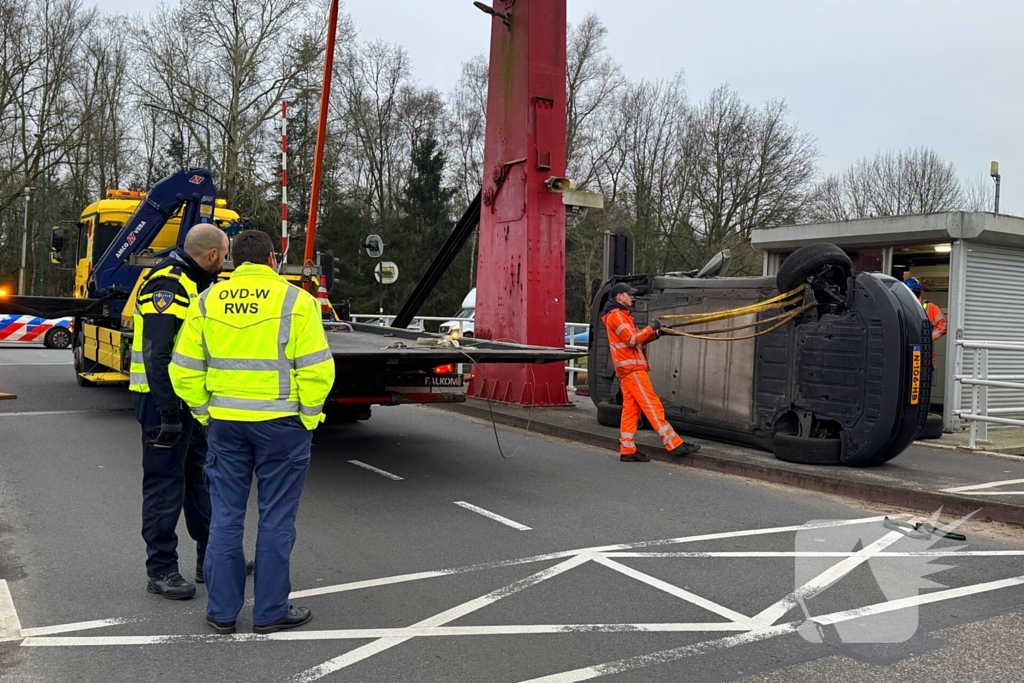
(222, 627)
(249, 566)
(171, 586)
(635, 457)
(297, 616)
(684, 449)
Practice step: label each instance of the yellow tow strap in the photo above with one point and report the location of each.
(790, 298)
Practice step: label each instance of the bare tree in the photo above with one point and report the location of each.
(978, 193)
(467, 106)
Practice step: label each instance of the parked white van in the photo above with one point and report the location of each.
(462, 324)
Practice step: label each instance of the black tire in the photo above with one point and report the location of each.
(811, 260)
(57, 338)
(807, 451)
(609, 414)
(468, 335)
(932, 427)
(80, 363)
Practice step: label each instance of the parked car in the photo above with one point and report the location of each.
(54, 334)
(462, 324)
(848, 381)
(416, 325)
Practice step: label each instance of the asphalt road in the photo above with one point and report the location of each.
(620, 575)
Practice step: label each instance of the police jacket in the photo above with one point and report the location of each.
(160, 309)
(253, 349)
(625, 340)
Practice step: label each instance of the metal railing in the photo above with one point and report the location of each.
(980, 415)
(572, 367)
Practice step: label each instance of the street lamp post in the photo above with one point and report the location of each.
(994, 172)
(209, 162)
(24, 243)
(42, 223)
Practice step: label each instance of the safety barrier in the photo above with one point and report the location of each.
(980, 415)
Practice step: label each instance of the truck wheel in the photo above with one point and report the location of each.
(932, 427)
(811, 260)
(609, 414)
(808, 451)
(80, 364)
(57, 338)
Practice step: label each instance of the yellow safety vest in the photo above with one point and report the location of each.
(167, 302)
(253, 349)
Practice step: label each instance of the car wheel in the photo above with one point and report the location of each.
(609, 414)
(808, 451)
(812, 260)
(81, 364)
(932, 427)
(57, 338)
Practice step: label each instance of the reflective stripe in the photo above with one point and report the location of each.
(620, 346)
(137, 357)
(203, 409)
(202, 333)
(620, 328)
(665, 428)
(248, 364)
(284, 333)
(627, 444)
(187, 362)
(629, 361)
(138, 378)
(311, 411)
(626, 435)
(255, 404)
(313, 358)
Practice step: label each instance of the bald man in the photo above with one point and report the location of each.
(173, 446)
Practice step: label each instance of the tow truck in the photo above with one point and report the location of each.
(846, 381)
(374, 365)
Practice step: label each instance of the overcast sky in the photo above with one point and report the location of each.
(861, 75)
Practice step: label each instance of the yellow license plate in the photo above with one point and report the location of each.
(915, 377)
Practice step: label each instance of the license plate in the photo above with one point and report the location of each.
(915, 376)
(450, 381)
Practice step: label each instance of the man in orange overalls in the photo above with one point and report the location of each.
(631, 368)
(932, 310)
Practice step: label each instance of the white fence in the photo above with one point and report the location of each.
(572, 367)
(980, 381)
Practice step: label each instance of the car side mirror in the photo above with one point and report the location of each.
(56, 245)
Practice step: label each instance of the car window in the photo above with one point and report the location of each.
(465, 313)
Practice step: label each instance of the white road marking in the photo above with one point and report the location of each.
(361, 653)
(6, 365)
(735, 617)
(490, 515)
(995, 493)
(371, 468)
(973, 488)
(368, 633)
(500, 564)
(70, 628)
(65, 412)
(771, 614)
(949, 552)
(10, 626)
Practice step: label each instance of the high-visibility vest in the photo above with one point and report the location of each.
(253, 349)
(937, 319)
(162, 302)
(626, 342)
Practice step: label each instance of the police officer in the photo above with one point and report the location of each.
(172, 455)
(253, 363)
(626, 344)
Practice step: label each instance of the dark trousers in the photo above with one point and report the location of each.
(277, 451)
(172, 481)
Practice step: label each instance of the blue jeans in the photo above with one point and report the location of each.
(277, 451)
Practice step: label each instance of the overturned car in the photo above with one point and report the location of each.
(845, 380)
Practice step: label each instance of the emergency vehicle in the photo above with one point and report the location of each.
(30, 329)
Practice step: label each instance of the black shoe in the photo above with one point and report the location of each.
(222, 627)
(171, 586)
(685, 449)
(636, 457)
(297, 616)
(249, 566)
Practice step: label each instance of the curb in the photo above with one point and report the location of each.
(821, 482)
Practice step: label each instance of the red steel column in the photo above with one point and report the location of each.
(521, 280)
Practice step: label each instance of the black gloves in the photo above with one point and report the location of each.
(656, 326)
(170, 430)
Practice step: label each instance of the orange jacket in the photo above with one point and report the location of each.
(625, 340)
(938, 320)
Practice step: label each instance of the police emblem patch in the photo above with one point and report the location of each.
(162, 300)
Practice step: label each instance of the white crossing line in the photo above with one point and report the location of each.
(490, 515)
(374, 469)
(974, 488)
(10, 626)
(70, 628)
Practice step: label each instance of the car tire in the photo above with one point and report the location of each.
(811, 260)
(808, 451)
(57, 338)
(609, 414)
(932, 427)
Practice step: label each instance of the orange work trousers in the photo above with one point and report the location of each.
(638, 396)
